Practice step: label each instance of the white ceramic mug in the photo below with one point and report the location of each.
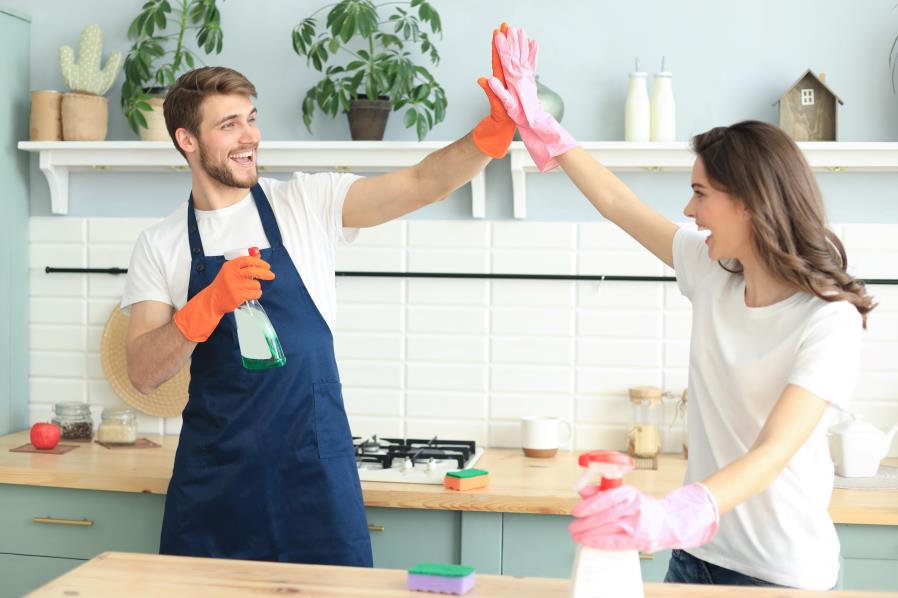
(541, 435)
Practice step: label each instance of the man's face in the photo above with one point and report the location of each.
(228, 140)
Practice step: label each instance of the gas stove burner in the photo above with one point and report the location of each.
(416, 460)
(372, 445)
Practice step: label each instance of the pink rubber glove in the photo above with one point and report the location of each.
(624, 518)
(518, 57)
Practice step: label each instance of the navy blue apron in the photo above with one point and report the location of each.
(264, 468)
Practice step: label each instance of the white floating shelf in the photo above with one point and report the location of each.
(58, 158)
(678, 156)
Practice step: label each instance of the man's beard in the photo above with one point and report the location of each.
(222, 174)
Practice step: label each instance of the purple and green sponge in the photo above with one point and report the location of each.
(441, 579)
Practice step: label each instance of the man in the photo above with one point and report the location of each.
(265, 467)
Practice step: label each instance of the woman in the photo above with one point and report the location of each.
(776, 328)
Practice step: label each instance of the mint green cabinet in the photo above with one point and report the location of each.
(14, 107)
(869, 557)
(402, 537)
(44, 532)
(540, 545)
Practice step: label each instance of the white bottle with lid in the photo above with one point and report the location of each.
(637, 115)
(605, 573)
(664, 113)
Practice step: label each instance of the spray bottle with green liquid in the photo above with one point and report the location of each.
(260, 348)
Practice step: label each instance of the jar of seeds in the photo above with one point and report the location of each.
(117, 426)
(74, 420)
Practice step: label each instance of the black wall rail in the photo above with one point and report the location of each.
(576, 277)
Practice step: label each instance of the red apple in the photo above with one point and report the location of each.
(44, 436)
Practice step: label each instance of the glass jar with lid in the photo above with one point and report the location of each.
(74, 420)
(645, 425)
(118, 426)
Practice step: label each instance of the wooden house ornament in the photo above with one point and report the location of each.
(808, 109)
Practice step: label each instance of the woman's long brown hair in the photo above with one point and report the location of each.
(760, 166)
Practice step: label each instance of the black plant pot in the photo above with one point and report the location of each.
(368, 119)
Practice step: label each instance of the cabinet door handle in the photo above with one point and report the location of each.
(646, 556)
(58, 521)
(375, 528)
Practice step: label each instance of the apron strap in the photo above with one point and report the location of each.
(193, 232)
(269, 224)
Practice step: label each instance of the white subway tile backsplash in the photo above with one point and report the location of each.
(614, 295)
(370, 259)
(57, 364)
(436, 291)
(369, 318)
(619, 263)
(536, 321)
(54, 229)
(616, 380)
(614, 353)
(52, 390)
(619, 323)
(531, 378)
(44, 310)
(534, 262)
(452, 234)
(55, 285)
(434, 376)
(363, 345)
(517, 405)
(41, 255)
(59, 337)
(368, 290)
(526, 349)
(534, 235)
(461, 320)
(117, 230)
(446, 348)
(514, 293)
(372, 402)
(449, 260)
(456, 357)
(389, 234)
(376, 374)
(444, 403)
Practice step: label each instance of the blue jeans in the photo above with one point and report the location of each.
(685, 568)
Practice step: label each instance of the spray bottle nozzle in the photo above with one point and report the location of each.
(603, 468)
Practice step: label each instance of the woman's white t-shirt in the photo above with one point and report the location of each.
(308, 209)
(740, 361)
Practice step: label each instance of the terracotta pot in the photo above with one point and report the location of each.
(368, 119)
(155, 130)
(85, 117)
(45, 123)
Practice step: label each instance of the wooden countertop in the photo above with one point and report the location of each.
(115, 574)
(517, 484)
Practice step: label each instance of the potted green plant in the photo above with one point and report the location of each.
(159, 56)
(379, 74)
(85, 109)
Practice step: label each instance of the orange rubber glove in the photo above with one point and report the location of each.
(493, 134)
(236, 282)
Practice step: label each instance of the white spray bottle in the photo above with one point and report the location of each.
(605, 573)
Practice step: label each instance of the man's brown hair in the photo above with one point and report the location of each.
(182, 103)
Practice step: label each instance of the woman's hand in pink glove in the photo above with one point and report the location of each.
(541, 133)
(625, 518)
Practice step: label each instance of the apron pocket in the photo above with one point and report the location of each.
(331, 426)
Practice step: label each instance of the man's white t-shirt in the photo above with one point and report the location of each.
(740, 361)
(308, 209)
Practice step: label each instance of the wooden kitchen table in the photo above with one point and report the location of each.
(116, 574)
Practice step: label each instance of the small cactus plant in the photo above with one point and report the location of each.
(85, 75)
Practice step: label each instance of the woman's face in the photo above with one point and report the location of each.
(716, 211)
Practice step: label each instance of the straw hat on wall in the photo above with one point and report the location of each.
(166, 401)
